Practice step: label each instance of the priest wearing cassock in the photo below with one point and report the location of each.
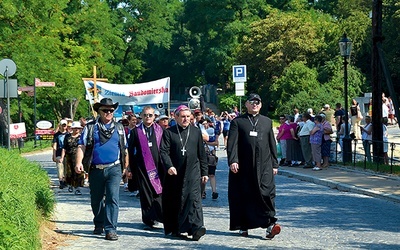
(185, 160)
(253, 163)
(146, 166)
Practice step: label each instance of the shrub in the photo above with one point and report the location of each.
(25, 199)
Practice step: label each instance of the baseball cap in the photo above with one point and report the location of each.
(163, 117)
(76, 124)
(327, 106)
(197, 111)
(253, 96)
(63, 121)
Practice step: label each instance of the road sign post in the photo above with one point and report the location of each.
(239, 78)
(38, 83)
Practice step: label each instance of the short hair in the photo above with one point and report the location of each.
(148, 107)
(307, 115)
(318, 118)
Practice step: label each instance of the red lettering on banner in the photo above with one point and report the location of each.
(161, 90)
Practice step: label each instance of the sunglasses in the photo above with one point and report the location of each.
(148, 115)
(107, 110)
(256, 102)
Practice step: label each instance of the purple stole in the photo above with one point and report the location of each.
(148, 157)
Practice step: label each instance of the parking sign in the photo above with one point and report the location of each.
(239, 73)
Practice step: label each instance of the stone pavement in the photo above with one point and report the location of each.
(349, 180)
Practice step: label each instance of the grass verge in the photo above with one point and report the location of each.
(25, 200)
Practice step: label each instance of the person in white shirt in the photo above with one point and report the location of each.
(304, 136)
(366, 136)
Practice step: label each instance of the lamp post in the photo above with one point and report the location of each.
(345, 51)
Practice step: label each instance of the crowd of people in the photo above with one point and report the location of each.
(166, 162)
(305, 139)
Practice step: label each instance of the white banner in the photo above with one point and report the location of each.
(131, 94)
(17, 130)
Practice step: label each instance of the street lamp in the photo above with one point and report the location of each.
(345, 51)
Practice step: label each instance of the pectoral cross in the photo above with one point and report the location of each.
(183, 151)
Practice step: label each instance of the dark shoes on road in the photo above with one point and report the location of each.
(199, 233)
(111, 236)
(273, 230)
(98, 230)
(214, 196)
(243, 233)
(63, 184)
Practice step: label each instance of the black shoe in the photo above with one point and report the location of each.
(70, 189)
(214, 196)
(112, 236)
(308, 166)
(78, 192)
(176, 235)
(98, 230)
(199, 233)
(62, 185)
(243, 233)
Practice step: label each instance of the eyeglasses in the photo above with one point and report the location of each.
(148, 115)
(107, 110)
(256, 102)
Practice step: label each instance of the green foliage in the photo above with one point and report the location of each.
(282, 42)
(227, 101)
(25, 199)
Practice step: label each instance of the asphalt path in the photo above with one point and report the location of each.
(312, 217)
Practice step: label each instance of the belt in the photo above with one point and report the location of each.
(103, 166)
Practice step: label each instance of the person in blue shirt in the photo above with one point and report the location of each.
(102, 150)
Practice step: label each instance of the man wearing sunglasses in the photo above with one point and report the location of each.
(145, 165)
(102, 149)
(253, 162)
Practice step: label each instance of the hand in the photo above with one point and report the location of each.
(204, 179)
(127, 173)
(79, 168)
(234, 167)
(172, 171)
(275, 171)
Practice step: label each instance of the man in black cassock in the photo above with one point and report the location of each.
(185, 160)
(253, 162)
(145, 165)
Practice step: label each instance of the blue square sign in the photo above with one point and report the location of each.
(239, 73)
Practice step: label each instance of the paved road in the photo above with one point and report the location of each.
(312, 216)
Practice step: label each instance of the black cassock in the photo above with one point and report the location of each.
(150, 201)
(251, 191)
(182, 206)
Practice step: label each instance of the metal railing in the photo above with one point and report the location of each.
(359, 157)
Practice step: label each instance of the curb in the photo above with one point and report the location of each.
(339, 186)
